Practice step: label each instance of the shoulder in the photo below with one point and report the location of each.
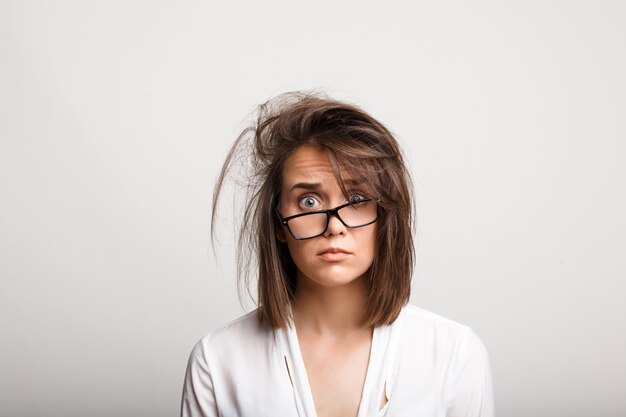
(445, 351)
(417, 317)
(234, 337)
(432, 331)
(454, 354)
(246, 327)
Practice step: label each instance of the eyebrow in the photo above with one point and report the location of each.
(306, 186)
(317, 185)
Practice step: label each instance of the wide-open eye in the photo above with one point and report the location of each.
(308, 202)
(356, 198)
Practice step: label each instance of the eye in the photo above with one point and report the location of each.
(308, 202)
(356, 198)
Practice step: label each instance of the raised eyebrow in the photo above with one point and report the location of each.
(306, 186)
(354, 181)
(351, 182)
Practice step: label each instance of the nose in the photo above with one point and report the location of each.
(335, 226)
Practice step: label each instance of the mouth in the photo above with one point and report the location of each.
(334, 254)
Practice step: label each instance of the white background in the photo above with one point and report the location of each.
(116, 115)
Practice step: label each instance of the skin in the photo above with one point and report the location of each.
(329, 303)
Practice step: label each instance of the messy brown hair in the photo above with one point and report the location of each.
(354, 142)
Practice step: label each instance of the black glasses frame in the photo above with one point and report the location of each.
(330, 212)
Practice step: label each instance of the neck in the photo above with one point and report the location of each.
(329, 311)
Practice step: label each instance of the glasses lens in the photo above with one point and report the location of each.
(307, 226)
(359, 214)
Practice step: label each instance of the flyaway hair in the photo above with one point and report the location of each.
(356, 144)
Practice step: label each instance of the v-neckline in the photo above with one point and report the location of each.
(300, 379)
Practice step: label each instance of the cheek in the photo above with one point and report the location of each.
(368, 244)
(298, 250)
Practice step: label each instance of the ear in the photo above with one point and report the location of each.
(280, 235)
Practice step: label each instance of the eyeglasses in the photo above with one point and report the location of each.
(314, 223)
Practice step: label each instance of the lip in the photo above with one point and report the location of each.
(334, 254)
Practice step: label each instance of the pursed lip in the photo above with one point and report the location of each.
(334, 250)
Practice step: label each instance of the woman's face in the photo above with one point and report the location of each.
(341, 255)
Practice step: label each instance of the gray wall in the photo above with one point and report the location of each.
(115, 117)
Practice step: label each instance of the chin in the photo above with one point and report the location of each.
(330, 279)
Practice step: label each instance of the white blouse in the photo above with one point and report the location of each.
(429, 366)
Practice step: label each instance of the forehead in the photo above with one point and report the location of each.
(309, 167)
(306, 161)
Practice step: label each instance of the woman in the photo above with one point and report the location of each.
(329, 224)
